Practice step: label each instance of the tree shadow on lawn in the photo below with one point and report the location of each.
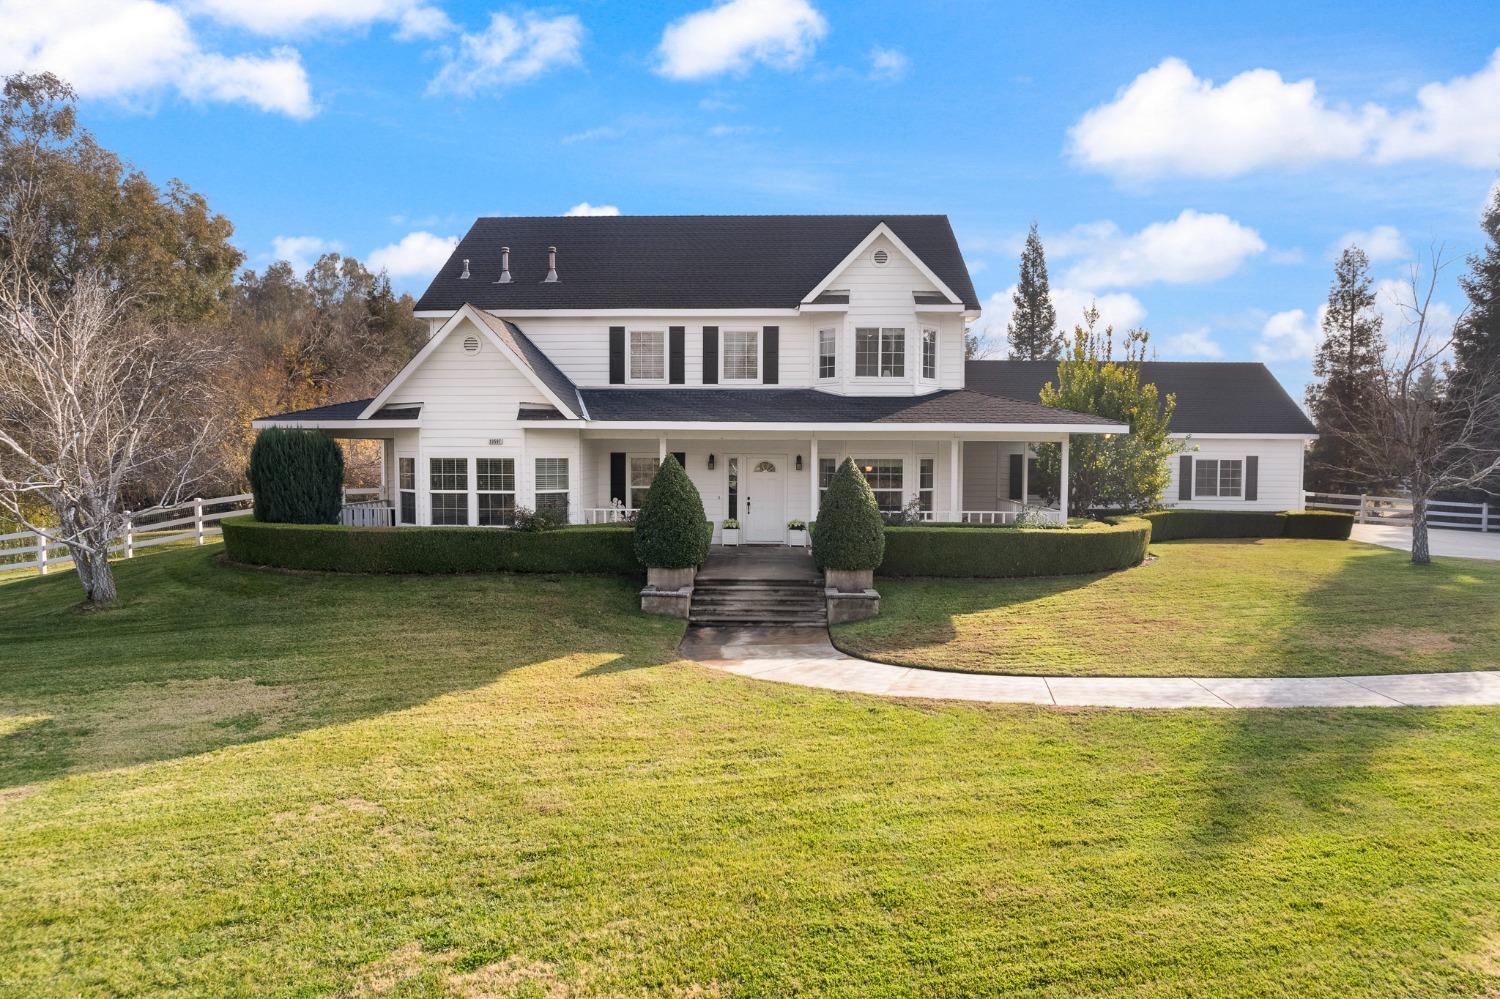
(200, 655)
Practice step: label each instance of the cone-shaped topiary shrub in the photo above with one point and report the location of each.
(297, 477)
(670, 530)
(849, 533)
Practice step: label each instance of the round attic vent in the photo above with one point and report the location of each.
(471, 344)
(880, 257)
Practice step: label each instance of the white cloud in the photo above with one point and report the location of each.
(135, 49)
(1384, 242)
(1191, 343)
(412, 18)
(1118, 309)
(1169, 121)
(584, 208)
(418, 254)
(508, 51)
(1290, 335)
(301, 251)
(888, 64)
(735, 35)
(1191, 248)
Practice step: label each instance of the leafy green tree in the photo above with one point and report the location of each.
(1126, 472)
(1032, 330)
(850, 533)
(70, 208)
(670, 531)
(1348, 369)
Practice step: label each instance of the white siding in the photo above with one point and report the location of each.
(1280, 473)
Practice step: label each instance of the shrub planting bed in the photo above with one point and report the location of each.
(1013, 551)
(332, 548)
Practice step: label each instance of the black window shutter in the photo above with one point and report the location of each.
(676, 361)
(770, 345)
(1185, 477)
(710, 355)
(681, 457)
(1015, 477)
(617, 476)
(1252, 477)
(617, 355)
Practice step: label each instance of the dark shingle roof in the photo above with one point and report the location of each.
(532, 356)
(675, 261)
(348, 411)
(812, 406)
(1213, 397)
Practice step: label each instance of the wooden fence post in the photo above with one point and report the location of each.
(129, 535)
(198, 520)
(41, 553)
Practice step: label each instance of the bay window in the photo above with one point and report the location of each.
(828, 353)
(929, 354)
(880, 352)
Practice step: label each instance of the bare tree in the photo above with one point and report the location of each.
(96, 404)
(1420, 427)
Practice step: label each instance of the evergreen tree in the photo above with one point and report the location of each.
(1476, 337)
(1347, 366)
(1032, 329)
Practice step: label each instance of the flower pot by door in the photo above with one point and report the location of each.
(731, 535)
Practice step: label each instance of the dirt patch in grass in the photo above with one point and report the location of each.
(142, 721)
(510, 977)
(1410, 642)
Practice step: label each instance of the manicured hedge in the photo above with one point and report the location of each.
(603, 549)
(1182, 525)
(297, 477)
(851, 532)
(1013, 551)
(1329, 525)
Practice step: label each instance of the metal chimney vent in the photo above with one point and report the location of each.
(551, 277)
(465, 275)
(504, 266)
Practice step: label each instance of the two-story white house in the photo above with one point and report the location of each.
(569, 355)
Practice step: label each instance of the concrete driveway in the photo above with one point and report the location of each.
(1456, 544)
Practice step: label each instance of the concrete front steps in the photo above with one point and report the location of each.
(727, 602)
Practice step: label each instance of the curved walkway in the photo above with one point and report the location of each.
(805, 656)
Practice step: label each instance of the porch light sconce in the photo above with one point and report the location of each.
(710, 462)
(799, 463)
(869, 469)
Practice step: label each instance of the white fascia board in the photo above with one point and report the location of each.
(881, 230)
(824, 307)
(867, 428)
(939, 308)
(707, 313)
(338, 424)
(1244, 437)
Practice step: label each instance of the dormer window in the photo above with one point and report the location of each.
(880, 352)
(648, 355)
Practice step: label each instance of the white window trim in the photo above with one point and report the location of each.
(467, 491)
(818, 375)
(415, 490)
(666, 355)
(1238, 495)
(937, 354)
(759, 357)
(905, 376)
(514, 492)
(572, 489)
(630, 457)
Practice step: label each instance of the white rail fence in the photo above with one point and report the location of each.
(1396, 511)
(193, 520)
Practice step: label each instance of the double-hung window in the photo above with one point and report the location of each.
(406, 485)
(1224, 477)
(642, 473)
(880, 352)
(495, 479)
(741, 356)
(929, 354)
(552, 487)
(828, 353)
(826, 468)
(926, 467)
(648, 355)
(885, 477)
(449, 485)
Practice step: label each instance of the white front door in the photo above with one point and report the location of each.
(764, 488)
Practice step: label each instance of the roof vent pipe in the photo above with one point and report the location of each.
(465, 275)
(504, 266)
(551, 277)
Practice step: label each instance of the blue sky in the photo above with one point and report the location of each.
(1193, 167)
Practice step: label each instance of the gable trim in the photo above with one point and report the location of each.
(569, 409)
(882, 230)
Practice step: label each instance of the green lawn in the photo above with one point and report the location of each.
(1203, 608)
(250, 783)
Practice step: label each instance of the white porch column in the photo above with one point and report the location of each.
(955, 462)
(1062, 490)
(661, 450)
(813, 473)
(1025, 471)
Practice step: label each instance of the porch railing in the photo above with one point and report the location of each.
(1395, 511)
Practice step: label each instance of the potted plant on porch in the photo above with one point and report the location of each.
(730, 531)
(850, 541)
(796, 533)
(671, 540)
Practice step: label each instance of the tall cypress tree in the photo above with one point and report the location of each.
(1032, 330)
(1476, 338)
(1346, 366)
